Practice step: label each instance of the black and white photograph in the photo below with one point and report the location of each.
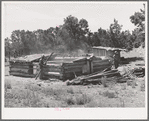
(63, 58)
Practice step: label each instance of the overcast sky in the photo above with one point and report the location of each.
(43, 15)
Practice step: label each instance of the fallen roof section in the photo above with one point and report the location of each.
(108, 48)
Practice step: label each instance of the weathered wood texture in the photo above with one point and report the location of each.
(60, 69)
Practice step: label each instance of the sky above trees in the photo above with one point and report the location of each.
(43, 15)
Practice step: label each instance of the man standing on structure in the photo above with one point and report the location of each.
(116, 59)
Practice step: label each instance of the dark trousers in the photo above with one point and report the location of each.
(116, 64)
(41, 72)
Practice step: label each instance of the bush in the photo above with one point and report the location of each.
(142, 86)
(83, 99)
(32, 87)
(69, 100)
(70, 90)
(109, 94)
(7, 85)
(25, 98)
(92, 104)
(104, 81)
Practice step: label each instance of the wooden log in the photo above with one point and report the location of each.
(21, 74)
(74, 64)
(54, 62)
(72, 67)
(100, 61)
(94, 66)
(19, 70)
(52, 70)
(80, 60)
(52, 65)
(73, 70)
(53, 73)
(22, 63)
(103, 63)
(19, 66)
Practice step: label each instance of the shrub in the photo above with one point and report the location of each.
(142, 86)
(123, 87)
(83, 99)
(109, 94)
(129, 82)
(70, 90)
(104, 81)
(7, 85)
(69, 100)
(26, 98)
(92, 104)
(32, 87)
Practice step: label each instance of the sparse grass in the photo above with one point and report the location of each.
(25, 98)
(123, 86)
(8, 85)
(142, 86)
(70, 100)
(32, 87)
(83, 99)
(129, 82)
(92, 104)
(109, 94)
(104, 81)
(70, 90)
(77, 99)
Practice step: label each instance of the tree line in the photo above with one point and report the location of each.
(75, 34)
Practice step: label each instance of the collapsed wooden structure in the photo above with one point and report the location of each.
(58, 67)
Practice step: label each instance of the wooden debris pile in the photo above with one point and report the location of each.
(139, 70)
(95, 78)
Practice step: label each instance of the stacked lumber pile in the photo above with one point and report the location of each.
(95, 78)
(20, 68)
(139, 70)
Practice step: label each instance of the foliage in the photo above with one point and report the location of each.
(73, 35)
(138, 19)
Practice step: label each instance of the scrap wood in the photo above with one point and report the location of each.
(96, 77)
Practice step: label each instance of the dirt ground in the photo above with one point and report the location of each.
(28, 92)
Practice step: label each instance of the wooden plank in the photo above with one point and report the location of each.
(100, 61)
(18, 63)
(52, 65)
(103, 63)
(19, 70)
(53, 73)
(101, 66)
(54, 62)
(19, 66)
(74, 64)
(72, 67)
(21, 74)
(52, 70)
(73, 70)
